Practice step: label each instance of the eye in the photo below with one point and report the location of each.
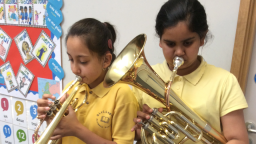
(84, 62)
(71, 60)
(171, 44)
(187, 43)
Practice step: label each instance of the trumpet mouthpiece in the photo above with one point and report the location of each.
(178, 61)
(78, 78)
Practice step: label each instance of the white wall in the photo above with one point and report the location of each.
(132, 17)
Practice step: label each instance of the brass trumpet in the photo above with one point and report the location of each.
(179, 124)
(57, 111)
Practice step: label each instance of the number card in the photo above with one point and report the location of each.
(20, 135)
(25, 46)
(31, 139)
(11, 12)
(5, 43)
(6, 133)
(6, 109)
(24, 79)
(19, 115)
(2, 11)
(25, 12)
(43, 48)
(9, 77)
(31, 115)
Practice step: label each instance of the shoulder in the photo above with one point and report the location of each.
(123, 93)
(218, 73)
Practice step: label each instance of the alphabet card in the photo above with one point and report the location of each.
(24, 79)
(9, 77)
(25, 12)
(19, 112)
(11, 12)
(43, 48)
(6, 109)
(25, 46)
(2, 16)
(5, 43)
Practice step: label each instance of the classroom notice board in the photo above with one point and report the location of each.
(26, 46)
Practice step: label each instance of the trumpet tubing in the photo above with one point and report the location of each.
(57, 112)
(131, 67)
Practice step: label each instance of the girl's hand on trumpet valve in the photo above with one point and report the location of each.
(43, 107)
(68, 125)
(142, 116)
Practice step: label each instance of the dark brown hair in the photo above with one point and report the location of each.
(95, 35)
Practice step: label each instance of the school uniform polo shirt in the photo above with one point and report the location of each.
(210, 91)
(107, 112)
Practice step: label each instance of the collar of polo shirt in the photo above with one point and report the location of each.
(99, 90)
(193, 77)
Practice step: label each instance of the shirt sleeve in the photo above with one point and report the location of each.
(138, 95)
(124, 113)
(232, 98)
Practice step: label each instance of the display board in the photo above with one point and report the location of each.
(29, 58)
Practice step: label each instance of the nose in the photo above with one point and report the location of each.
(179, 51)
(75, 69)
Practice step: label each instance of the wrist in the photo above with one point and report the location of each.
(77, 129)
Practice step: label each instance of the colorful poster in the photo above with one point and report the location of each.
(47, 86)
(6, 109)
(5, 43)
(25, 12)
(40, 13)
(7, 136)
(43, 48)
(2, 11)
(19, 114)
(25, 46)
(24, 79)
(9, 77)
(11, 12)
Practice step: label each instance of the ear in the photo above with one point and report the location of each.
(160, 44)
(202, 41)
(107, 59)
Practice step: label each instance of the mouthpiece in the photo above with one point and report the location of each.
(177, 62)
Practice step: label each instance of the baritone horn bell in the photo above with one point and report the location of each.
(131, 67)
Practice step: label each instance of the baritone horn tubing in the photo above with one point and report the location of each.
(131, 67)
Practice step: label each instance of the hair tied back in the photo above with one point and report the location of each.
(110, 44)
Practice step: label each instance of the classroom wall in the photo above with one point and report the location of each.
(133, 17)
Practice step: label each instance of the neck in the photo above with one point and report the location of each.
(99, 80)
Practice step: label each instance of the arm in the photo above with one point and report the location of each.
(70, 126)
(234, 127)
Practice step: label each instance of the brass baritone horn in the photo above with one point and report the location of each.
(57, 111)
(178, 125)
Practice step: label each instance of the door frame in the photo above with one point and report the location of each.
(244, 41)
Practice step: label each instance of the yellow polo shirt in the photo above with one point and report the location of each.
(108, 112)
(210, 91)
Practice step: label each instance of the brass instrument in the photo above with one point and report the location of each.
(179, 124)
(57, 111)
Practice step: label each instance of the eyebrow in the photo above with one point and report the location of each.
(79, 55)
(182, 40)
